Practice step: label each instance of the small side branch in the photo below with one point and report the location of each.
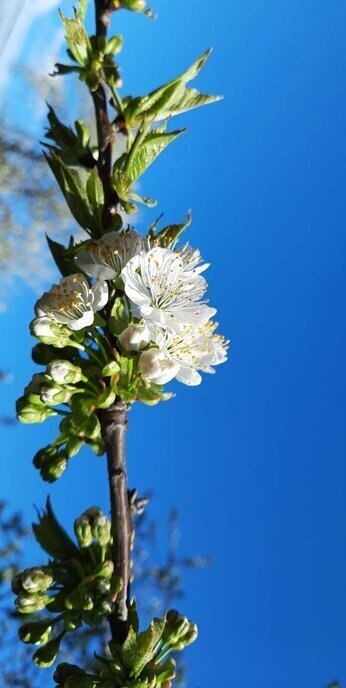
(114, 427)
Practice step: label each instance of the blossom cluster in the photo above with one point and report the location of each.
(168, 320)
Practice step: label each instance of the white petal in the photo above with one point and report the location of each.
(189, 376)
(86, 320)
(100, 291)
(86, 261)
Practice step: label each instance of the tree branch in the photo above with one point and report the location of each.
(105, 132)
(114, 427)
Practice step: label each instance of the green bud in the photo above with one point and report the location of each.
(166, 671)
(101, 529)
(71, 621)
(104, 570)
(36, 633)
(27, 412)
(106, 606)
(29, 604)
(46, 656)
(132, 5)
(71, 676)
(73, 446)
(44, 456)
(82, 528)
(114, 45)
(53, 471)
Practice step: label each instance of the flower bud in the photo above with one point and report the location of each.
(44, 456)
(82, 528)
(132, 5)
(36, 580)
(155, 367)
(35, 384)
(54, 394)
(70, 676)
(29, 604)
(101, 529)
(134, 338)
(46, 656)
(105, 569)
(28, 412)
(49, 332)
(54, 469)
(36, 633)
(64, 372)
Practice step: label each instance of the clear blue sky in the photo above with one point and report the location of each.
(255, 457)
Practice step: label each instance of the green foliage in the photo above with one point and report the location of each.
(78, 586)
(141, 662)
(171, 99)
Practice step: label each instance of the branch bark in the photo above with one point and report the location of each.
(114, 427)
(105, 132)
(114, 419)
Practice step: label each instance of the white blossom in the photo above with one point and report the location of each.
(106, 257)
(72, 302)
(192, 350)
(166, 292)
(156, 367)
(192, 259)
(134, 338)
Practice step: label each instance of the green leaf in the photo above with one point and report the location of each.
(139, 650)
(62, 260)
(170, 234)
(81, 12)
(52, 537)
(147, 151)
(118, 320)
(169, 99)
(73, 190)
(96, 197)
(77, 39)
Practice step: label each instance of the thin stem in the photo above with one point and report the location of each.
(114, 426)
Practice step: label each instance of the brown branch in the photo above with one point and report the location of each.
(114, 419)
(114, 427)
(105, 131)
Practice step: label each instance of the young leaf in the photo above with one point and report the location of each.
(73, 190)
(96, 195)
(169, 235)
(77, 39)
(52, 537)
(147, 151)
(139, 652)
(162, 102)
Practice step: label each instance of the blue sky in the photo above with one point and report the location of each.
(255, 457)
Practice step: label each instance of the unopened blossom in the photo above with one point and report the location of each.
(134, 338)
(192, 350)
(156, 367)
(62, 371)
(72, 302)
(166, 292)
(106, 257)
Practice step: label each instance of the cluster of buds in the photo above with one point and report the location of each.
(46, 390)
(141, 662)
(79, 587)
(30, 587)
